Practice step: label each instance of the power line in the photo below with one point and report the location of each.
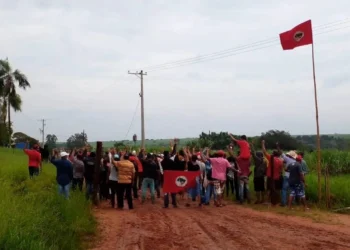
(132, 120)
(246, 48)
(236, 53)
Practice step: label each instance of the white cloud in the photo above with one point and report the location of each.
(77, 53)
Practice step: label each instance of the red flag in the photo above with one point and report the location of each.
(176, 181)
(298, 36)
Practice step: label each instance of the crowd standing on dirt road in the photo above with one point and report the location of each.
(200, 174)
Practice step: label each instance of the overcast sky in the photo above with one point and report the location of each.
(76, 55)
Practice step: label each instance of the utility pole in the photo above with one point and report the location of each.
(141, 74)
(42, 130)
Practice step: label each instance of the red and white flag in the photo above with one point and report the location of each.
(300, 35)
(176, 181)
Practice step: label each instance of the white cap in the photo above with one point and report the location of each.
(64, 154)
(133, 153)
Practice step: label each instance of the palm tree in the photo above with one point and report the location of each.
(9, 97)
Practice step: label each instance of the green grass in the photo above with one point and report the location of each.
(33, 215)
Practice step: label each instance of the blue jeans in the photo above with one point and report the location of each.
(64, 190)
(209, 191)
(148, 182)
(284, 191)
(89, 189)
(195, 191)
(243, 188)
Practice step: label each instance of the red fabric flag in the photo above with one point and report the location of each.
(176, 181)
(298, 36)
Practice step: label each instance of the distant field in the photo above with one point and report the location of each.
(344, 136)
(149, 142)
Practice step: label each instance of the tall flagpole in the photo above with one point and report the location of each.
(318, 140)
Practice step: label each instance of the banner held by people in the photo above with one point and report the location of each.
(177, 181)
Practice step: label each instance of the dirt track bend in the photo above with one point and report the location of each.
(150, 227)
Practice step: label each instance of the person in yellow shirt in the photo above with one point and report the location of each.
(126, 174)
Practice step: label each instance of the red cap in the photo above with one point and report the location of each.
(220, 153)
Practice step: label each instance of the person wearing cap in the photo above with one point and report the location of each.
(288, 158)
(296, 182)
(304, 166)
(126, 174)
(34, 159)
(219, 166)
(64, 172)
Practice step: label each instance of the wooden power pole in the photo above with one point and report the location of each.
(141, 74)
(42, 130)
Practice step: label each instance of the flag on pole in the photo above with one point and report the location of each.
(176, 181)
(300, 35)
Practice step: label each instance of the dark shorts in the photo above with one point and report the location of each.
(297, 190)
(278, 184)
(259, 184)
(33, 171)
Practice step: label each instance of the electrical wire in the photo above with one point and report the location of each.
(246, 48)
(236, 53)
(132, 120)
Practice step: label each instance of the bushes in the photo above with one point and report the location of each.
(33, 215)
(338, 162)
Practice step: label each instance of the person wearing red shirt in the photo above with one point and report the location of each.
(34, 160)
(244, 147)
(243, 161)
(273, 173)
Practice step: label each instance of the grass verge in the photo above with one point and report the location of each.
(33, 216)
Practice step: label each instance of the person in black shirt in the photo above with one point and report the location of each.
(89, 170)
(150, 175)
(168, 165)
(195, 191)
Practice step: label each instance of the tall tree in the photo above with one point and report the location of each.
(8, 92)
(77, 140)
(51, 141)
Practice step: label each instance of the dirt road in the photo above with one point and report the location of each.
(150, 227)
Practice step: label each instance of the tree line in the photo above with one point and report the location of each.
(213, 140)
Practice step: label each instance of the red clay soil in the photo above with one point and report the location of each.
(151, 227)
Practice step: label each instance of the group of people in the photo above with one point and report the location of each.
(124, 174)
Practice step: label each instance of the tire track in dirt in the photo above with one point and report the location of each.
(231, 227)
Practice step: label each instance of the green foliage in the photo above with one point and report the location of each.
(4, 134)
(340, 142)
(77, 140)
(201, 143)
(216, 140)
(51, 141)
(119, 145)
(22, 137)
(33, 216)
(285, 140)
(338, 162)
(150, 143)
